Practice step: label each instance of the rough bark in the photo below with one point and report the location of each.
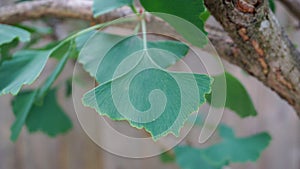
(257, 44)
(266, 51)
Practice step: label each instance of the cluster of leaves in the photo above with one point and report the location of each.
(230, 149)
(39, 110)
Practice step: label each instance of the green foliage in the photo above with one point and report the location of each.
(103, 6)
(134, 84)
(48, 117)
(233, 149)
(23, 68)
(272, 5)
(187, 18)
(205, 15)
(189, 10)
(98, 45)
(21, 107)
(9, 33)
(230, 150)
(192, 158)
(135, 78)
(5, 50)
(237, 98)
(167, 157)
(34, 101)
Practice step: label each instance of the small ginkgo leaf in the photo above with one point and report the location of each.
(233, 149)
(102, 52)
(22, 69)
(193, 158)
(48, 117)
(237, 98)
(148, 96)
(9, 33)
(103, 6)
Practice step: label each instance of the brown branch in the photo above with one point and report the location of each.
(292, 6)
(265, 50)
(259, 45)
(77, 9)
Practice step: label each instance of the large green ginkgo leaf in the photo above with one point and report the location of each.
(145, 94)
(23, 68)
(9, 33)
(233, 149)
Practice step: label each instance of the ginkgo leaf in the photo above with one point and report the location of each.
(9, 33)
(48, 117)
(233, 149)
(189, 10)
(103, 6)
(23, 68)
(148, 96)
(185, 16)
(26, 103)
(237, 98)
(101, 52)
(193, 158)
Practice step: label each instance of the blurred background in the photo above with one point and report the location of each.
(75, 150)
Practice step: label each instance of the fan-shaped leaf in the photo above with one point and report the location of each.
(48, 117)
(233, 149)
(23, 68)
(143, 93)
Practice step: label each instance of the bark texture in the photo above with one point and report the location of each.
(265, 50)
(257, 43)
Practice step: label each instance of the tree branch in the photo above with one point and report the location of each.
(77, 9)
(256, 43)
(265, 50)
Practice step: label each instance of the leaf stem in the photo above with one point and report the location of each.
(136, 29)
(118, 21)
(144, 30)
(134, 10)
(51, 79)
